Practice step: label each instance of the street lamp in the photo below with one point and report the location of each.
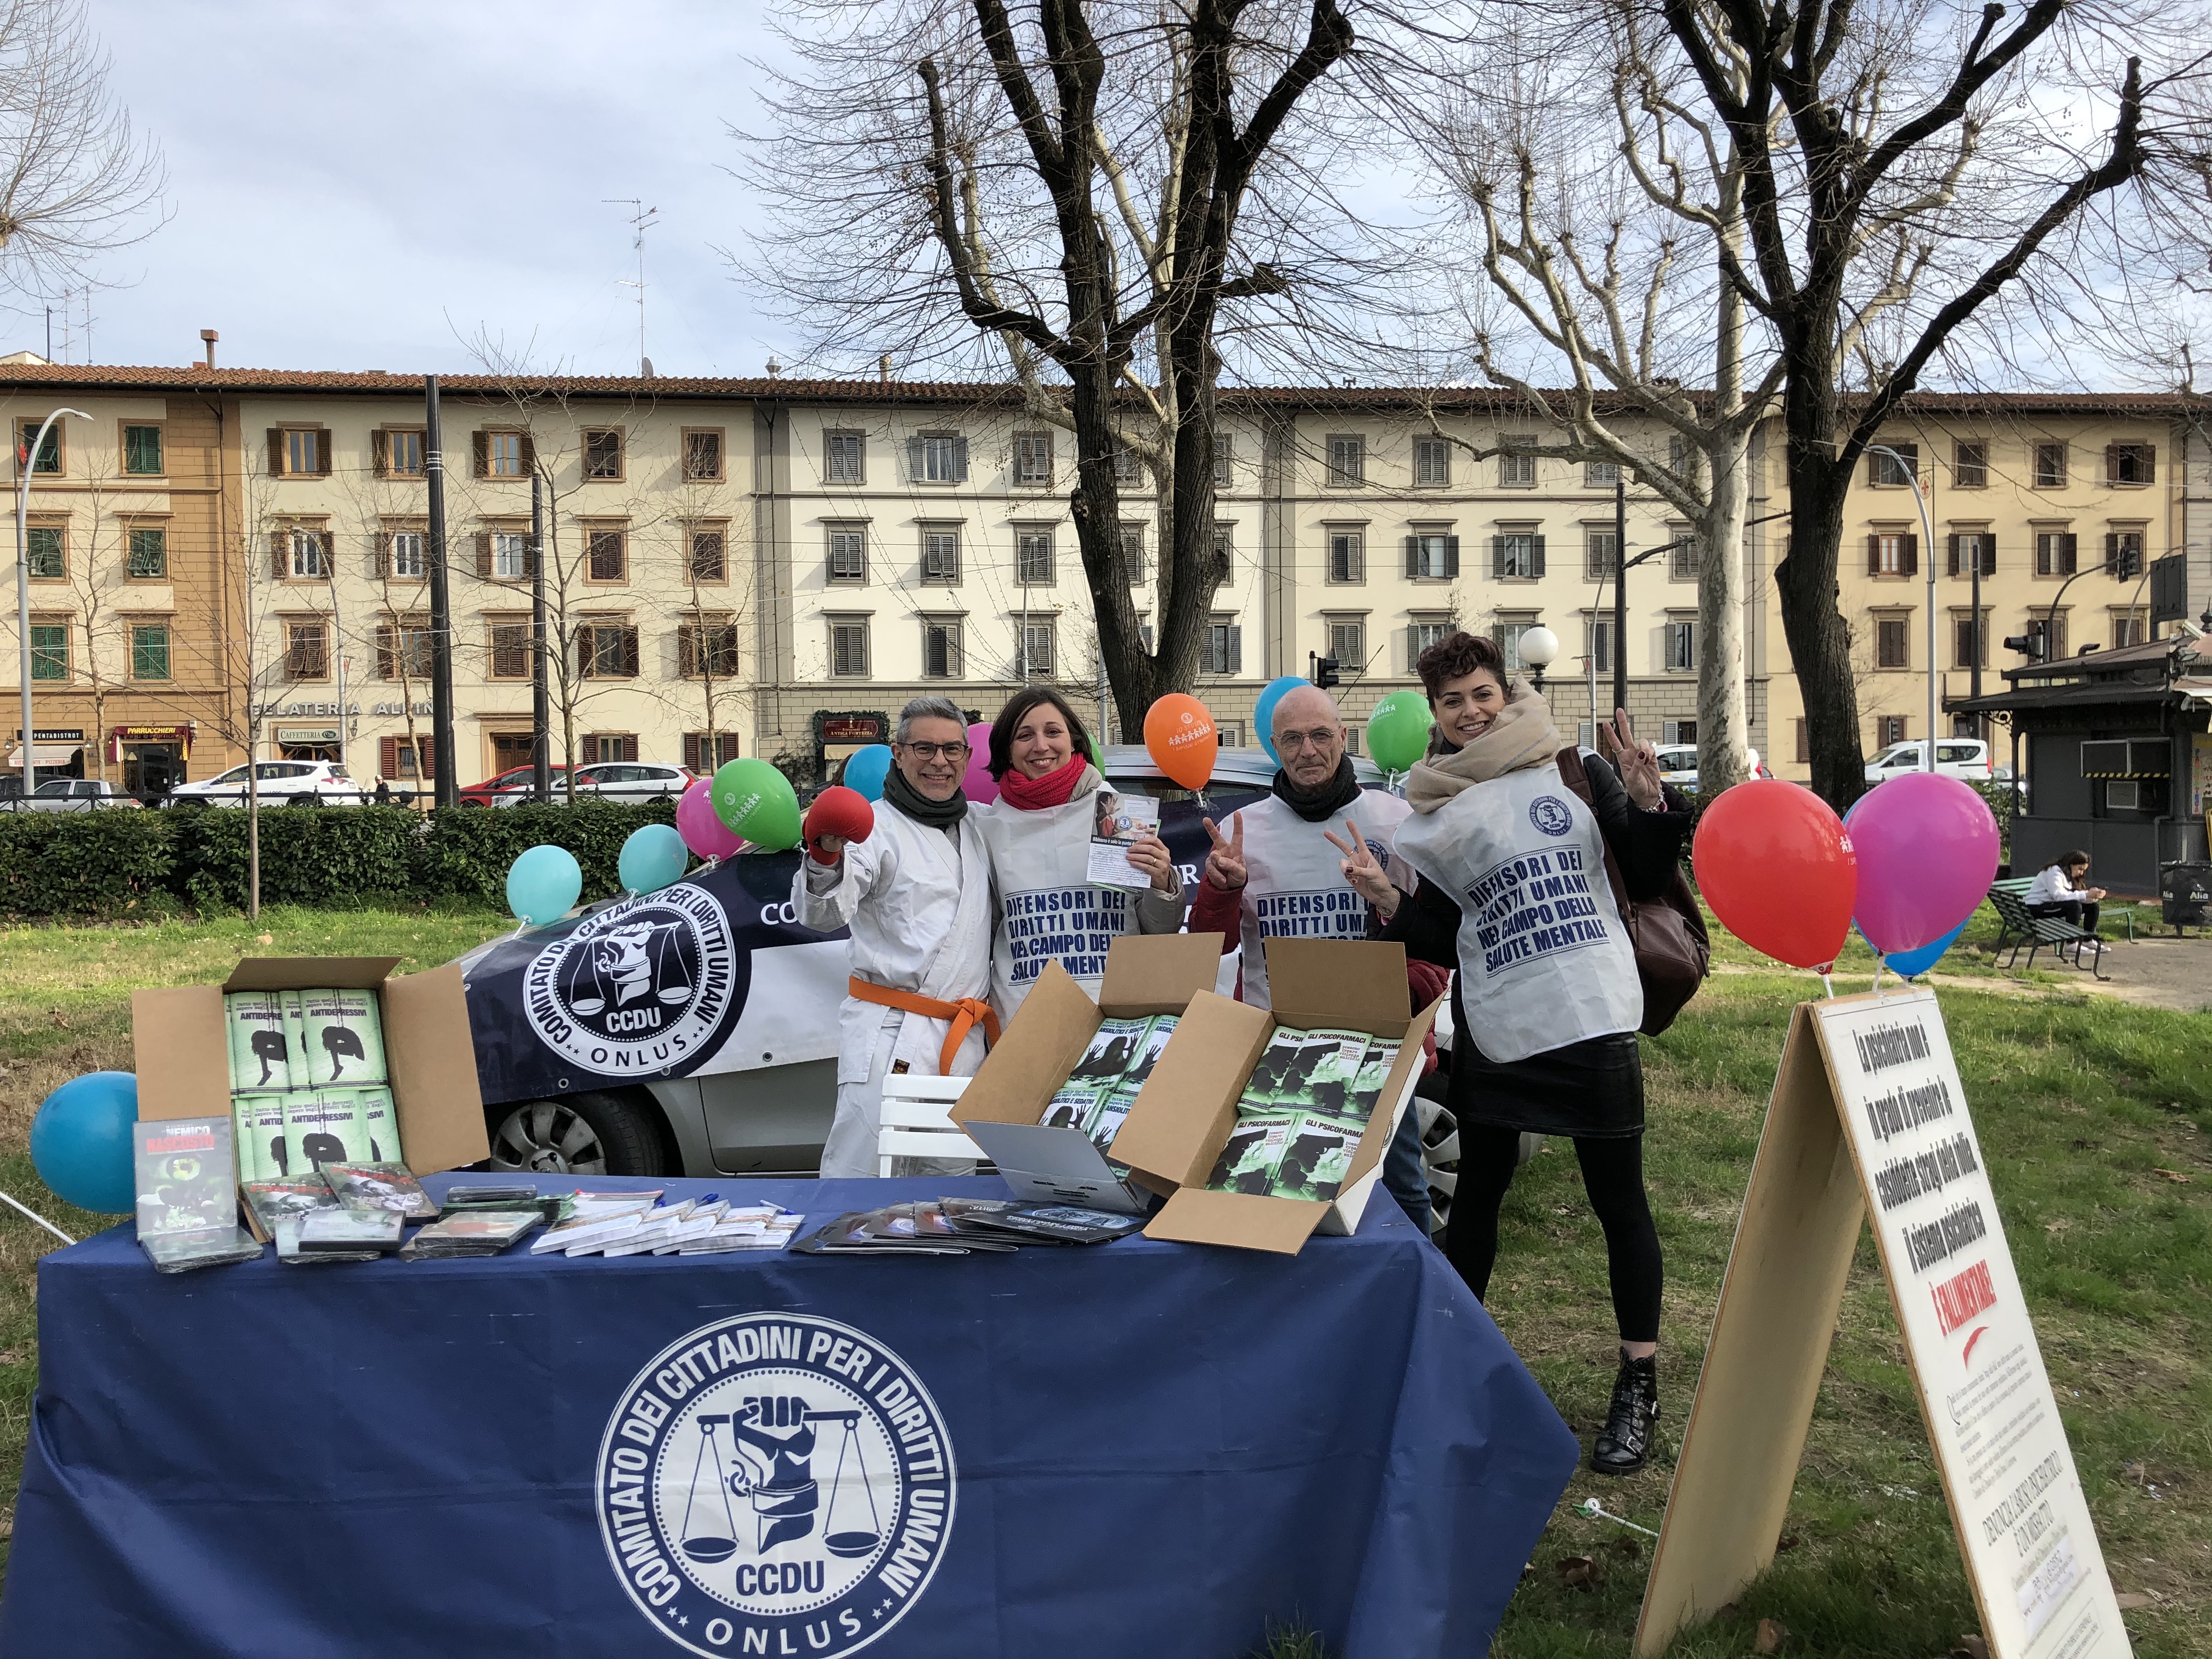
(1911, 471)
(1539, 646)
(27, 463)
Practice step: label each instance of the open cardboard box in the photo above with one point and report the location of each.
(1003, 1105)
(1182, 1119)
(183, 1054)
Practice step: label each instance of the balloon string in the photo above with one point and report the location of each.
(1876, 985)
(36, 1217)
(1831, 984)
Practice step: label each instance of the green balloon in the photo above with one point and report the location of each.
(757, 802)
(1398, 730)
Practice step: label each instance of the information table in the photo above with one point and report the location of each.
(1135, 1448)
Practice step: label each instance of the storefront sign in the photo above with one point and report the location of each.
(307, 734)
(850, 728)
(54, 734)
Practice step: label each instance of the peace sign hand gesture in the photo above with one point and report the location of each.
(1367, 878)
(1224, 865)
(1638, 762)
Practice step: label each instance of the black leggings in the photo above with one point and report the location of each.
(1613, 1174)
(2081, 913)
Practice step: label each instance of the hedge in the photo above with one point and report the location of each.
(109, 863)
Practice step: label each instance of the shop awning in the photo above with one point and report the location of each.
(44, 754)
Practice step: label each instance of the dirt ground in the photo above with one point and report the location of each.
(2157, 970)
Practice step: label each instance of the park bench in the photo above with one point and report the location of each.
(2009, 899)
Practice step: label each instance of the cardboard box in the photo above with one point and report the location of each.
(1189, 1107)
(183, 1053)
(1002, 1107)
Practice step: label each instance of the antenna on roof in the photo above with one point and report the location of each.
(642, 220)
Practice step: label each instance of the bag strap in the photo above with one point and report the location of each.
(1573, 773)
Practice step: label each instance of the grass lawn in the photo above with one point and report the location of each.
(2087, 1109)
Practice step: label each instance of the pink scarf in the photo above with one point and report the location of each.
(1055, 788)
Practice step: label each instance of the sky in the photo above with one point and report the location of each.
(375, 186)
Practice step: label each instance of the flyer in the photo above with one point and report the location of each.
(1121, 821)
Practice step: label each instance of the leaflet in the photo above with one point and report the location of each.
(1119, 822)
(1255, 1148)
(1112, 1049)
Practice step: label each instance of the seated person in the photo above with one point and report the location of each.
(2057, 892)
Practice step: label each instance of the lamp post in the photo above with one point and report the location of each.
(1912, 469)
(1540, 649)
(27, 463)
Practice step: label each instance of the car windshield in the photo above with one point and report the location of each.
(1898, 755)
(236, 775)
(59, 786)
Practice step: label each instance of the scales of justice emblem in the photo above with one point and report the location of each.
(637, 987)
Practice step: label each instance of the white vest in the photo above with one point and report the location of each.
(1048, 911)
(1297, 888)
(1544, 960)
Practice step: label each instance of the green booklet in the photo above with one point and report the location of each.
(1105, 1122)
(261, 1055)
(241, 1135)
(343, 1044)
(1308, 1070)
(1073, 1106)
(1317, 1153)
(339, 1125)
(1374, 1072)
(1255, 1147)
(1113, 1045)
(273, 1157)
(1148, 1051)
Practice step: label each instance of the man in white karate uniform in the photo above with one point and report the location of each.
(916, 894)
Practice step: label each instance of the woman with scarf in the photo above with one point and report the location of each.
(1038, 836)
(1509, 832)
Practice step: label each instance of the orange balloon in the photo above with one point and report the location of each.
(1776, 866)
(1180, 737)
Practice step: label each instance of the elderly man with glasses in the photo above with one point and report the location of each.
(916, 894)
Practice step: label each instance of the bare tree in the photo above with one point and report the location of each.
(76, 183)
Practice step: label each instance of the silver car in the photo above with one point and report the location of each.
(71, 795)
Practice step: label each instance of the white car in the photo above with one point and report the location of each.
(632, 782)
(277, 783)
(1955, 758)
(71, 795)
(1678, 764)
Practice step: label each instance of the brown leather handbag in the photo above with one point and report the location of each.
(1673, 951)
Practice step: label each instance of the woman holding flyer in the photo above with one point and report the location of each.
(1507, 815)
(1068, 870)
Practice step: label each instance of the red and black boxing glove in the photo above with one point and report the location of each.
(837, 811)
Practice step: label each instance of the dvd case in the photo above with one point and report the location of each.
(383, 1186)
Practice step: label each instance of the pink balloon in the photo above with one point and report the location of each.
(1927, 849)
(702, 832)
(979, 785)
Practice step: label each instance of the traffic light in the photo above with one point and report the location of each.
(1325, 675)
(2033, 644)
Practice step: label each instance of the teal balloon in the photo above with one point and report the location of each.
(1398, 730)
(543, 884)
(653, 856)
(757, 802)
(1911, 964)
(866, 770)
(80, 1142)
(1263, 712)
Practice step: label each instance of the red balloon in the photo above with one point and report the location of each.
(1180, 737)
(1778, 868)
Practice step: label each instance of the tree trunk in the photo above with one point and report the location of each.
(1721, 728)
(1818, 638)
(253, 832)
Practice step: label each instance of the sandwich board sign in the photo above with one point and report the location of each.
(1869, 1119)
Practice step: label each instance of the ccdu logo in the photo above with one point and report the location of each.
(775, 1484)
(638, 986)
(1550, 814)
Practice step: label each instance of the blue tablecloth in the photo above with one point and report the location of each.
(1139, 1450)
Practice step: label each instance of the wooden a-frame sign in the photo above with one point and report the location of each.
(1868, 1118)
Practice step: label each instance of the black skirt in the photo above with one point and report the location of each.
(1594, 1088)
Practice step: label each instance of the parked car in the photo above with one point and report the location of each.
(622, 781)
(510, 788)
(281, 783)
(1678, 765)
(1955, 758)
(71, 795)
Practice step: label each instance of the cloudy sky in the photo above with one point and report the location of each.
(370, 186)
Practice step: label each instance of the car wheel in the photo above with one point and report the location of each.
(585, 1134)
(1439, 1155)
(304, 800)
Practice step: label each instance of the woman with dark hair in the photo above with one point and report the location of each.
(1038, 836)
(2060, 890)
(1511, 831)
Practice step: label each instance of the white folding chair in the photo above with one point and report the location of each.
(917, 1122)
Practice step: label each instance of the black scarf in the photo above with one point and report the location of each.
(1317, 805)
(937, 814)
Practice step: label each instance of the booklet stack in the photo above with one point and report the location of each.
(1103, 1085)
(963, 1226)
(308, 1080)
(1302, 1114)
(187, 1197)
(471, 1233)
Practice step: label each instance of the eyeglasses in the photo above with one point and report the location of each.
(929, 752)
(1320, 739)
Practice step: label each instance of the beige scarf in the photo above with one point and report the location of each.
(1520, 737)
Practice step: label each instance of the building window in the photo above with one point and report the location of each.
(307, 651)
(702, 454)
(1432, 462)
(1033, 458)
(149, 651)
(147, 559)
(1892, 554)
(607, 651)
(510, 651)
(1347, 556)
(1222, 649)
(405, 556)
(400, 453)
(1127, 469)
(1892, 647)
(510, 558)
(307, 555)
(1889, 729)
(705, 751)
(50, 651)
(1422, 632)
(938, 457)
(50, 452)
(2051, 466)
(940, 649)
(1517, 555)
(1133, 551)
(2056, 552)
(1969, 647)
(602, 747)
(606, 556)
(1509, 630)
(1224, 460)
(845, 458)
(1516, 464)
(710, 555)
(306, 453)
(142, 455)
(2123, 554)
(406, 757)
(1431, 556)
(1682, 558)
(1678, 732)
(2130, 463)
(1682, 645)
(1347, 640)
(1899, 471)
(1033, 648)
(1969, 465)
(708, 650)
(1225, 543)
(45, 552)
(1600, 475)
(1600, 554)
(1597, 642)
(602, 455)
(1970, 547)
(502, 454)
(403, 650)
(2130, 628)
(848, 648)
(1348, 461)
(1033, 557)
(848, 554)
(940, 555)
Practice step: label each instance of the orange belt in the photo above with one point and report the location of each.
(965, 1014)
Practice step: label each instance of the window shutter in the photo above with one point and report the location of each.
(1497, 558)
(629, 749)
(483, 555)
(530, 557)
(914, 459)
(379, 459)
(384, 654)
(2149, 454)
(278, 539)
(1357, 566)
(1804, 745)
(380, 555)
(1874, 556)
(387, 757)
(2113, 553)
(480, 445)
(1236, 648)
(529, 454)
(629, 660)
(1951, 555)
(1413, 556)
(1451, 556)
(1537, 563)
(426, 748)
(691, 746)
(960, 461)
(276, 452)
(324, 461)
(1989, 556)
(686, 652)
(2070, 553)
(1912, 555)
(2111, 464)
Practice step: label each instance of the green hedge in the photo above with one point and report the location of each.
(92, 864)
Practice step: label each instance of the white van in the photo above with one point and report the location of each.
(1955, 758)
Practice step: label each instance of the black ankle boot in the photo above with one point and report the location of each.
(1625, 1442)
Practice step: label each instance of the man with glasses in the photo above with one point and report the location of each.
(916, 894)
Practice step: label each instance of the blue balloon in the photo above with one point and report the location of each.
(1263, 712)
(80, 1142)
(1911, 964)
(544, 884)
(867, 768)
(653, 856)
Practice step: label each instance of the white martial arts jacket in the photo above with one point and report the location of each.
(918, 901)
(1298, 888)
